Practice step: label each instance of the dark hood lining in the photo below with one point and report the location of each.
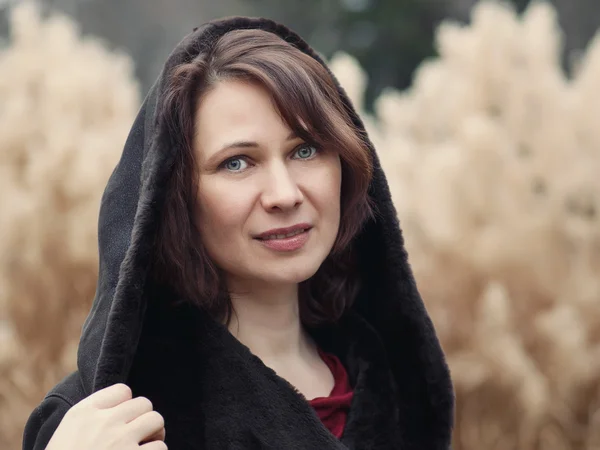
(129, 215)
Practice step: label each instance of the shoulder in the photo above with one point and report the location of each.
(46, 417)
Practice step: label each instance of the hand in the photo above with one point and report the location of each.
(110, 419)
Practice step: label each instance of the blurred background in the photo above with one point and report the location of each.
(485, 115)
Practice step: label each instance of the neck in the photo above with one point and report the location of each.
(266, 319)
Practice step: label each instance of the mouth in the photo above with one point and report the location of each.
(283, 233)
(285, 239)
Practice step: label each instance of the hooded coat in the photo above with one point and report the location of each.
(211, 390)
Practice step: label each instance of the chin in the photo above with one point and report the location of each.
(290, 272)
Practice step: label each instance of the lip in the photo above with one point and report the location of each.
(286, 244)
(299, 226)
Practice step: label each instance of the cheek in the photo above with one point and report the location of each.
(222, 212)
(333, 178)
(324, 189)
(335, 192)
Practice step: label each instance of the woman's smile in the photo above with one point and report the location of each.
(289, 242)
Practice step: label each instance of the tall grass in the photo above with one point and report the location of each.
(492, 157)
(67, 105)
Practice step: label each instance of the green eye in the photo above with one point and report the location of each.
(306, 152)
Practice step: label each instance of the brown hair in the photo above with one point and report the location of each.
(308, 100)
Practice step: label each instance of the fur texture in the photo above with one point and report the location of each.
(212, 391)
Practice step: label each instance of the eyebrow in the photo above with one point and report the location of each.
(250, 144)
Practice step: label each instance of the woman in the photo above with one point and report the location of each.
(254, 291)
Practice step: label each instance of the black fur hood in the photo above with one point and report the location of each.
(212, 392)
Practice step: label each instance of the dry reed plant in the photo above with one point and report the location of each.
(67, 105)
(493, 157)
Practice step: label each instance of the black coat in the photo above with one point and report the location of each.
(212, 392)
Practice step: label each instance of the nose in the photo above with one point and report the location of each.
(281, 192)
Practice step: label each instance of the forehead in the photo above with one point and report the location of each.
(235, 110)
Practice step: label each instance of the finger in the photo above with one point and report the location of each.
(146, 425)
(108, 397)
(132, 409)
(156, 445)
(160, 436)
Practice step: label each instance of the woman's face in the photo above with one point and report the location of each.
(268, 203)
